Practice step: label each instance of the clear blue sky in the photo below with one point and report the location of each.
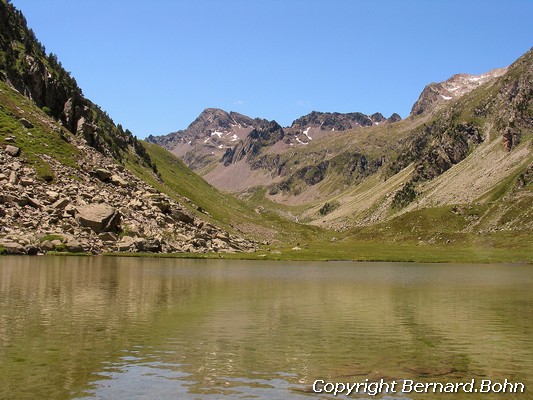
(155, 65)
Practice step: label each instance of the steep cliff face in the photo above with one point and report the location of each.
(503, 102)
(264, 134)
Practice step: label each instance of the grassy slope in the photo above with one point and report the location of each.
(45, 138)
(429, 235)
(225, 209)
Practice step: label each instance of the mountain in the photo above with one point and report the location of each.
(73, 180)
(458, 85)
(344, 170)
(227, 148)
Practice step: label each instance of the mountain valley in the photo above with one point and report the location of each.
(452, 179)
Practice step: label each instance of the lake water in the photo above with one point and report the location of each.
(133, 328)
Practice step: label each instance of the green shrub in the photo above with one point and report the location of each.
(404, 196)
(329, 207)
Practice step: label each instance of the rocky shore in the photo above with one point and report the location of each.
(98, 207)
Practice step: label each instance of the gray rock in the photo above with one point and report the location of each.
(148, 246)
(72, 245)
(118, 181)
(182, 216)
(13, 248)
(34, 202)
(26, 123)
(60, 204)
(46, 245)
(98, 217)
(107, 237)
(31, 249)
(103, 174)
(13, 178)
(53, 196)
(127, 243)
(13, 151)
(26, 182)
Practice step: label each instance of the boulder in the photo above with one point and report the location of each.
(13, 151)
(118, 181)
(107, 237)
(13, 178)
(26, 123)
(46, 245)
(182, 216)
(13, 248)
(98, 217)
(148, 245)
(31, 249)
(26, 182)
(103, 174)
(72, 245)
(60, 204)
(33, 202)
(127, 243)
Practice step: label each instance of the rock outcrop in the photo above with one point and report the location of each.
(458, 85)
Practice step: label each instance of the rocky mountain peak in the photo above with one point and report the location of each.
(458, 85)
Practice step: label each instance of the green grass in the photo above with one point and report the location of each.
(37, 141)
(52, 237)
(488, 249)
(226, 210)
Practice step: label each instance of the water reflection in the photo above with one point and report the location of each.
(195, 329)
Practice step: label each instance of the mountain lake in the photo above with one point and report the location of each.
(151, 328)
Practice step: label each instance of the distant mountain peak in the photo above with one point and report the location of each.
(454, 87)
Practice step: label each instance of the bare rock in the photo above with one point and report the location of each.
(33, 202)
(26, 123)
(126, 243)
(60, 204)
(182, 216)
(107, 237)
(148, 245)
(13, 151)
(72, 245)
(98, 217)
(13, 247)
(118, 181)
(26, 182)
(103, 174)
(13, 178)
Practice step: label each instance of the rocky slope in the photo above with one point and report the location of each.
(436, 94)
(101, 207)
(218, 140)
(65, 181)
